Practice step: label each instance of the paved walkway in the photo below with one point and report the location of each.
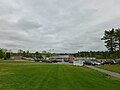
(117, 75)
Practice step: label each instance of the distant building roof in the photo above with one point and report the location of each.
(65, 57)
(60, 56)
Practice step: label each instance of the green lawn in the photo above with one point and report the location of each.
(38, 76)
(114, 68)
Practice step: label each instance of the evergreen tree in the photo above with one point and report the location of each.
(1, 54)
(117, 38)
(109, 38)
(8, 55)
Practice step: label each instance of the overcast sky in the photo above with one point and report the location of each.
(62, 25)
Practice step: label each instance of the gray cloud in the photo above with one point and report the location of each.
(62, 25)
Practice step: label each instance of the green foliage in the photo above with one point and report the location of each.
(109, 38)
(7, 56)
(4, 55)
(1, 54)
(38, 55)
(112, 42)
(117, 38)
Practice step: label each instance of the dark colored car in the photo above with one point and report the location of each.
(118, 62)
(109, 62)
(71, 61)
(47, 61)
(36, 60)
(91, 62)
(88, 62)
(54, 61)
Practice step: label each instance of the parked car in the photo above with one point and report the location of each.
(96, 62)
(118, 62)
(88, 62)
(109, 62)
(71, 61)
(91, 62)
(55, 61)
(36, 60)
(102, 62)
(47, 61)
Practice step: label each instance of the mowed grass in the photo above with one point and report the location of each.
(113, 68)
(41, 76)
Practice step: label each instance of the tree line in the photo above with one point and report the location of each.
(93, 54)
(6, 54)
